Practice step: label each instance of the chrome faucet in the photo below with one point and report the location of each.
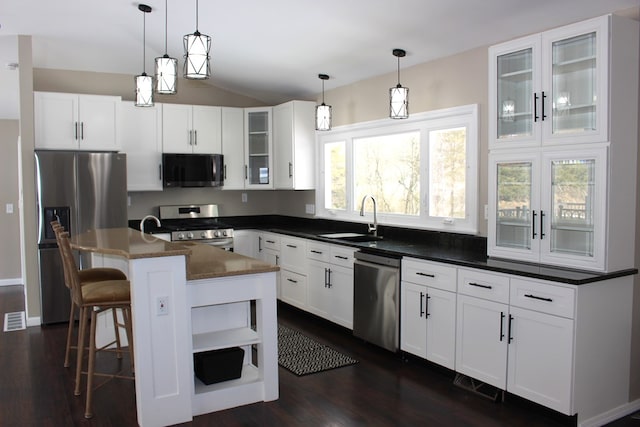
(146, 218)
(372, 227)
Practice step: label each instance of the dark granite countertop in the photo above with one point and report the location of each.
(451, 248)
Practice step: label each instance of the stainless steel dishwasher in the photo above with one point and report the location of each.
(376, 298)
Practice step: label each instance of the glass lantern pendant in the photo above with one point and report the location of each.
(144, 83)
(323, 111)
(399, 96)
(196, 57)
(166, 67)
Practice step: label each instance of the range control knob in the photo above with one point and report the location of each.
(180, 236)
(224, 233)
(216, 234)
(203, 234)
(189, 235)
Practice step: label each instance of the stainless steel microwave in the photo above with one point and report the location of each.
(192, 170)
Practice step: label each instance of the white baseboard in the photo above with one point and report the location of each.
(612, 415)
(33, 321)
(11, 282)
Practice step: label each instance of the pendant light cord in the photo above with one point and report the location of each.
(166, 14)
(196, 16)
(144, 41)
(323, 92)
(398, 70)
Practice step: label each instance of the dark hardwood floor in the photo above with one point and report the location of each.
(382, 389)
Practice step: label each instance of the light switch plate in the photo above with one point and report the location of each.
(9, 208)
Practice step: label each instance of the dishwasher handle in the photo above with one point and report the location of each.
(377, 259)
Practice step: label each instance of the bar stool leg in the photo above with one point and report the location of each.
(80, 352)
(69, 334)
(92, 361)
(126, 313)
(116, 330)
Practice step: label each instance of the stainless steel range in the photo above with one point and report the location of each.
(197, 223)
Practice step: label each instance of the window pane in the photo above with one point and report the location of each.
(335, 184)
(388, 168)
(447, 172)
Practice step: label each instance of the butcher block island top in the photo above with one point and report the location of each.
(202, 261)
(189, 299)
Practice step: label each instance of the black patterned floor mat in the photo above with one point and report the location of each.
(302, 355)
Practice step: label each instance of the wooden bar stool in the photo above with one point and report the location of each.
(94, 298)
(87, 275)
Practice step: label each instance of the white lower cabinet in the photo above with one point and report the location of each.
(330, 282)
(540, 358)
(525, 346)
(293, 289)
(428, 313)
(481, 340)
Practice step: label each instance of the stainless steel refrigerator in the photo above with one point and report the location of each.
(84, 191)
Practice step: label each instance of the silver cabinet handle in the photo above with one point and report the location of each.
(419, 273)
(160, 172)
(81, 130)
(195, 137)
(75, 130)
(292, 281)
(290, 169)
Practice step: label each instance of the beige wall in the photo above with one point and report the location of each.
(189, 91)
(10, 248)
(30, 250)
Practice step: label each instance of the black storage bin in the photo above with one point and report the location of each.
(218, 365)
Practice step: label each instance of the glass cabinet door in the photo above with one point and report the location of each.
(514, 188)
(573, 84)
(258, 148)
(572, 193)
(574, 208)
(514, 94)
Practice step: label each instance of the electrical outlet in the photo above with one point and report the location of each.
(486, 211)
(9, 208)
(310, 209)
(162, 306)
(244, 197)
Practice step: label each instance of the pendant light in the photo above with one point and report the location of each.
(166, 67)
(399, 96)
(144, 83)
(323, 111)
(196, 54)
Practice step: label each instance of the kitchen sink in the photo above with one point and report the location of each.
(351, 237)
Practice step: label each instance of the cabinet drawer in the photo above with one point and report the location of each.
(293, 254)
(318, 251)
(342, 255)
(543, 297)
(270, 241)
(429, 273)
(480, 284)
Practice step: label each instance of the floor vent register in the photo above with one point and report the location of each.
(14, 321)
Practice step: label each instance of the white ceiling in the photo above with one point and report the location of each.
(273, 50)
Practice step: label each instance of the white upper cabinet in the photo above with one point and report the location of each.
(233, 147)
(66, 121)
(294, 142)
(258, 148)
(551, 88)
(191, 129)
(549, 207)
(141, 136)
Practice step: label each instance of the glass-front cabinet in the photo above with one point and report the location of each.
(549, 207)
(551, 88)
(258, 148)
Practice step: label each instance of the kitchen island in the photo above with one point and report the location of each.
(189, 298)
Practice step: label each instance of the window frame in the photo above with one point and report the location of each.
(463, 116)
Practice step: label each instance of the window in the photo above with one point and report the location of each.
(422, 172)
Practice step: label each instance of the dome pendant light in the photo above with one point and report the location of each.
(144, 83)
(323, 111)
(399, 96)
(166, 67)
(196, 56)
